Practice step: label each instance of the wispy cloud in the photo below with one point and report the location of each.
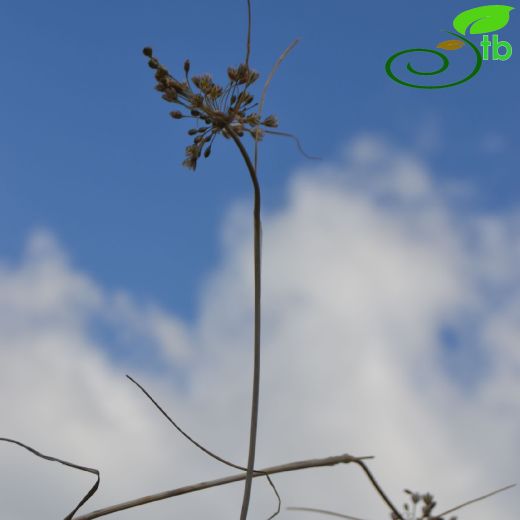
(391, 327)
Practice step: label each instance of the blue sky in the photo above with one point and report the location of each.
(89, 151)
(391, 296)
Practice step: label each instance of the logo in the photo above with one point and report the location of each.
(480, 20)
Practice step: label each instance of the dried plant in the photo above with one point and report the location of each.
(228, 110)
(412, 508)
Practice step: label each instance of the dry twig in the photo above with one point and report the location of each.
(92, 490)
(323, 511)
(204, 449)
(266, 86)
(477, 499)
(283, 468)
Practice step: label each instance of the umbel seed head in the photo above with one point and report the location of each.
(218, 110)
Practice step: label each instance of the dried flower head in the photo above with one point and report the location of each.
(428, 504)
(219, 109)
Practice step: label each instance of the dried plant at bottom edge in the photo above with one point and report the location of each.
(428, 504)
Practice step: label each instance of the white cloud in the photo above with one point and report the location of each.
(364, 269)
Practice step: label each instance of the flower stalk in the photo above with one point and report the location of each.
(228, 111)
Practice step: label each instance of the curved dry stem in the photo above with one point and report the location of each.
(296, 140)
(283, 468)
(257, 245)
(204, 449)
(92, 490)
(379, 489)
(248, 41)
(279, 507)
(180, 430)
(266, 86)
(477, 499)
(323, 511)
(276, 66)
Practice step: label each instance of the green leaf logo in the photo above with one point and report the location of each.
(484, 19)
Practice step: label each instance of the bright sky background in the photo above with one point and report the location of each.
(391, 281)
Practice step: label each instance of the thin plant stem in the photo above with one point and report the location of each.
(283, 468)
(257, 246)
(273, 72)
(477, 499)
(296, 140)
(376, 486)
(248, 41)
(323, 512)
(203, 448)
(92, 490)
(266, 86)
(257, 270)
(379, 489)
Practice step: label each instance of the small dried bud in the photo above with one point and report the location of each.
(193, 131)
(187, 66)
(253, 76)
(147, 51)
(253, 119)
(169, 82)
(243, 73)
(153, 63)
(215, 91)
(270, 121)
(232, 74)
(195, 113)
(170, 95)
(190, 163)
(161, 73)
(207, 152)
(204, 83)
(176, 114)
(257, 133)
(192, 153)
(427, 498)
(161, 87)
(197, 100)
